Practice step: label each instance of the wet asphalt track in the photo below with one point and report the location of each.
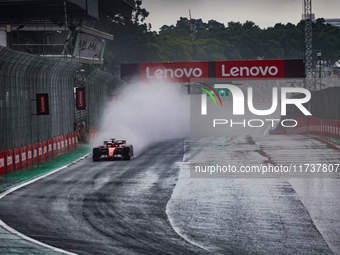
(150, 205)
(122, 207)
(107, 207)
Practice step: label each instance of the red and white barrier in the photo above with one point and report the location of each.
(23, 158)
(29, 156)
(2, 163)
(26, 157)
(35, 154)
(9, 161)
(16, 159)
(66, 143)
(62, 144)
(58, 145)
(73, 140)
(55, 146)
(70, 145)
(302, 126)
(45, 150)
(50, 149)
(40, 152)
(310, 125)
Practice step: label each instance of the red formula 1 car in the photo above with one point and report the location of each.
(113, 149)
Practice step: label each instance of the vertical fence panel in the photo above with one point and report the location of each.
(101, 87)
(22, 76)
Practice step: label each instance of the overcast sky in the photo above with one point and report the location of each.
(264, 13)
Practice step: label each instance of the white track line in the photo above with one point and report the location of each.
(13, 231)
(186, 156)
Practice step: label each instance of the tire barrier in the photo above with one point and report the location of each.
(26, 157)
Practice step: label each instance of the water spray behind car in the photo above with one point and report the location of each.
(146, 113)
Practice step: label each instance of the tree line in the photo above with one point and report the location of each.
(195, 40)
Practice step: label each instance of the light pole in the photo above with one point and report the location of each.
(319, 54)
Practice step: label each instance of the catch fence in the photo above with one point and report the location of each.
(28, 138)
(101, 89)
(22, 76)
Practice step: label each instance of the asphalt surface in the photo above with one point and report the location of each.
(104, 207)
(151, 205)
(257, 214)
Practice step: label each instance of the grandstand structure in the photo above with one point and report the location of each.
(76, 30)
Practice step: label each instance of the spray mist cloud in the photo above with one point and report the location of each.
(146, 113)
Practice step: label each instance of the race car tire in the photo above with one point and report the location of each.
(131, 151)
(127, 153)
(96, 154)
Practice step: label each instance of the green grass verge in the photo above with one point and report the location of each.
(335, 140)
(15, 178)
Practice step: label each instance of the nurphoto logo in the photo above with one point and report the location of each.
(238, 103)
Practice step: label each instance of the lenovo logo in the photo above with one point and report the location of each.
(81, 99)
(246, 71)
(171, 73)
(193, 71)
(42, 104)
(80, 96)
(174, 71)
(250, 69)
